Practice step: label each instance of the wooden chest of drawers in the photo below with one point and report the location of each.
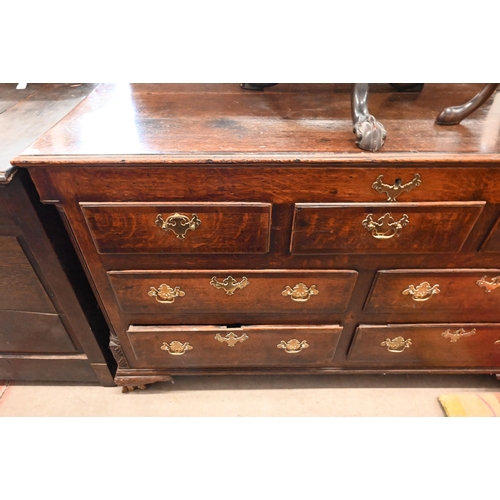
(226, 232)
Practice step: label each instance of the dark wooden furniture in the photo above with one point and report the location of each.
(230, 232)
(51, 328)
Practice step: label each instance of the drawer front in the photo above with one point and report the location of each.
(22, 332)
(382, 228)
(460, 290)
(179, 228)
(436, 345)
(207, 346)
(290, 294)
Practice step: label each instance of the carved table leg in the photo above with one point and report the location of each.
(370, 133)
(455, 114)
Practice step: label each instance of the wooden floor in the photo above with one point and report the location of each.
(50, 101)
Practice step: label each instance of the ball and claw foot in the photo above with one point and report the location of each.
(370, 133)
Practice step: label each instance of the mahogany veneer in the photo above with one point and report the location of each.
(200, 210)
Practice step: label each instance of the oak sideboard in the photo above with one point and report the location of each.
(227, 232)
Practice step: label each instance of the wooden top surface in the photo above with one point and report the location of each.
(198, 123)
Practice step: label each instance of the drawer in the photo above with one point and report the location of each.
(290, 294)
(458, 290)
(373, 228)
(204, 346)
(179, 228)
(432, 345)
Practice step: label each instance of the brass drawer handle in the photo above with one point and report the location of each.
(422, 292)
(488, 285)
(385, 227)
(458, 334)
(165, 293)
(399, 344)
(231, 338)
(176, 348)
(497, 342)
(293, 346)
(230, 285)
(300, 292)
(179, 224)
(397, 188)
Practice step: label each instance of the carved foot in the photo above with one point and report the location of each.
(370, 134)
(130, 388)
(130, 382)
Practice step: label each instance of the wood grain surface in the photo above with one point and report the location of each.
(262, 296)
(224, 228)
(430, 227)
(260, 348)
(283, 123)
(458, 291)
(428, 347)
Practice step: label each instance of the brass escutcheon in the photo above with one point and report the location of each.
(422, 292)
(165, 293)
(229, 284)
(399, 344)
(178, 224)
(176, 348)
(397, 188)
(385, 227)
(231, 338)
(293, 346)
(497, 342)
(300, 292)
(488, 285)
(458, 334)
